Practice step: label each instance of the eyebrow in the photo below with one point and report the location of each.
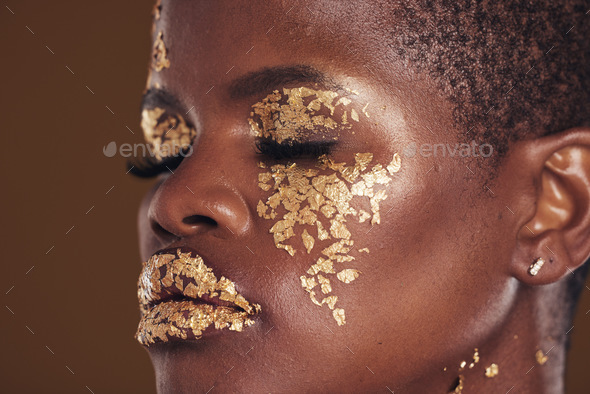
(266, 79)
(254, 83)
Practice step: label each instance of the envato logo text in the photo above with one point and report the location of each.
(143, 150)
(449, 150)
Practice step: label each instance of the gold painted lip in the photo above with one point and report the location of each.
(180, 297)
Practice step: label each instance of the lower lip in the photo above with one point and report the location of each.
(187, 320)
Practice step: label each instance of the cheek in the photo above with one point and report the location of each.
(147, 241)
(314, 210)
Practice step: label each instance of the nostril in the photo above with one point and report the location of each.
(199, 219)
(161, 231)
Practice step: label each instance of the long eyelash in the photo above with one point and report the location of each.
(148, 167)
(292, 150)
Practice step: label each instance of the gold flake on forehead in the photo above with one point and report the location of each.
(186, 319)
(157, 9)
(287, 116)
(167, 134)
(160, 59)
(319, 202)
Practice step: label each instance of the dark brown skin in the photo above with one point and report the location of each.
(447, 269)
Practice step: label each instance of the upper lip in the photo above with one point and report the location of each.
(166, 276)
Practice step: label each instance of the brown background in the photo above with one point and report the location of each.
(76, 309)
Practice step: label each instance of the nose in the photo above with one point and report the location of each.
(191, 202)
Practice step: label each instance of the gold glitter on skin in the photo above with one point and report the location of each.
(299, 114)
(169, 275)
(492, 371)
(541, 358)
(160, 59)
(460, 385)
(157, 9)
(310, 195)
(307, 196)
(167, 134)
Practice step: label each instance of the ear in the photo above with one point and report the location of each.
(559, 229)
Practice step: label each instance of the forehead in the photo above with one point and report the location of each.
(208, 40)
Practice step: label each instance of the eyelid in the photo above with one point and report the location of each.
(293, 149)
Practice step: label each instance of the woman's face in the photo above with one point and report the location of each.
(371, 263)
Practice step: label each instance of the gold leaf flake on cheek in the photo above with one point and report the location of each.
(167, 135)
(322, 198)
(160, 59)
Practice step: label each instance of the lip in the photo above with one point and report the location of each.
(181, 298)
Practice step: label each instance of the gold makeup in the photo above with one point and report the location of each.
(180, 297)
(289, 115)
(167, 134)
(160, 59)
(492, 371)
(314, 204)
(156, 11)
(541, 358)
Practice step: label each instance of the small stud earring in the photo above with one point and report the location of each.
(536, 266)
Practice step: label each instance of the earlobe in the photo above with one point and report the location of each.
(559, 231)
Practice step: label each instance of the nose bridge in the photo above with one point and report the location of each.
(204, 194)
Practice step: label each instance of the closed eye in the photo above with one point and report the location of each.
(293, 150)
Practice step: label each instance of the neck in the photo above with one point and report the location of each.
(529, 327)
